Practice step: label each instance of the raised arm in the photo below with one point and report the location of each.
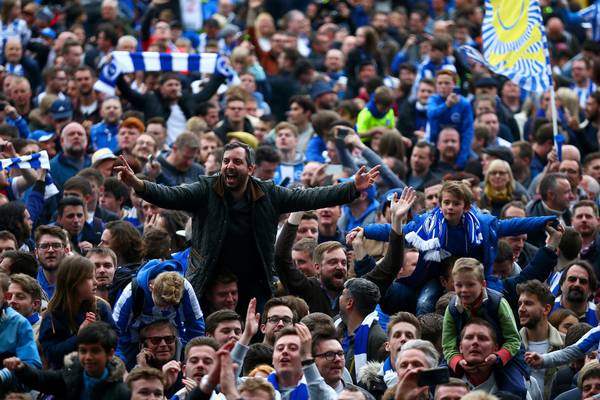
(185, 197)
(387, 269)
(312, 199)
(294, 281)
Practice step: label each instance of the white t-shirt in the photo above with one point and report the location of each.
(175, 123)
(540, 348)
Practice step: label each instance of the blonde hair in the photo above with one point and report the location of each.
(261, 369)
(468, 265)
(497, 163)
(253, 385)
(569, 100)
(479, 395)
(168, 287)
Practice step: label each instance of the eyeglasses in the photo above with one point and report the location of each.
(156, 340)
(501, 173)
(275, 319)
(330, 355)
(46, 246)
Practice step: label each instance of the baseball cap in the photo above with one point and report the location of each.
(486, 81)
(41, 135)
(320, 88)
(48, 32)
(501, 152)
(102, 154)
(61, 109)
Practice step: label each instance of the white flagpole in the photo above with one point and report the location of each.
(558, 138)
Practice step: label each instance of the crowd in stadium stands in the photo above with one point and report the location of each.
(357, 211)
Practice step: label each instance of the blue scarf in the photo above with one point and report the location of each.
(373, 108)
(299, 393)
(431, 235)
(361, 343)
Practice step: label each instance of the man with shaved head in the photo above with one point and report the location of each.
(72, 158)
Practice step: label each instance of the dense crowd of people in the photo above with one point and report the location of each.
(348, 208)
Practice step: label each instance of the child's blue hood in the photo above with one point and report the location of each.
(152, 268)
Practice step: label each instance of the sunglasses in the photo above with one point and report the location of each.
(156, 340)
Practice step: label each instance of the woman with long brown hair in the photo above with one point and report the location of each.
(73, 306)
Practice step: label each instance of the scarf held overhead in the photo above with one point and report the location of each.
(124, 62)
(432, 234)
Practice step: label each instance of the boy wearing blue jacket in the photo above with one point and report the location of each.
(16, 337)
(446, 108)
(158, 292)
(455, 229)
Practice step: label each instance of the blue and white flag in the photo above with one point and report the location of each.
(32, 161)
(124, 62)
(515, 44)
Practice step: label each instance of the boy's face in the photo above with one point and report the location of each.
(21, 301)
(468, 288)
(382, 108)
(147, 389)
(452, 207)
(94, 358)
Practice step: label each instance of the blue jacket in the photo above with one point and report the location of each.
(186, 316)
(459, 116)
(62, 168)
(315, 148)
(104, 135)
(16, 338)
(491, 228)
(56, 337)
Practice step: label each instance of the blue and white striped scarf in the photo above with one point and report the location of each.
(361, 343)
(299, 393)
(431, 234)
(32, 161)
(124, 62)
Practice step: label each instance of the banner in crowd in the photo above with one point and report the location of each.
(32, 161)
(123, 62)
(515, 44)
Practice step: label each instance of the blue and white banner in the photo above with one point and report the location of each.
(124, 63)
(33, 161)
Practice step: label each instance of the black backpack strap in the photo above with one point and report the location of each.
(137, 297)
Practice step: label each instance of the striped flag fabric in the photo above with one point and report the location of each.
(123, 62)
(515, 44)
(33, 161)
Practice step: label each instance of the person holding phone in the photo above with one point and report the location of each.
(448, 109)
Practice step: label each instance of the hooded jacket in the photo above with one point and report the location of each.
(56, 337)
(68, 383)
(186, 316)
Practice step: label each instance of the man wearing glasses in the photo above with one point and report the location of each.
(50, 249)
(276, 316)
(330, 359)
(159, 344)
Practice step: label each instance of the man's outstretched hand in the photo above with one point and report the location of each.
(363, 178)
(126, 174)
